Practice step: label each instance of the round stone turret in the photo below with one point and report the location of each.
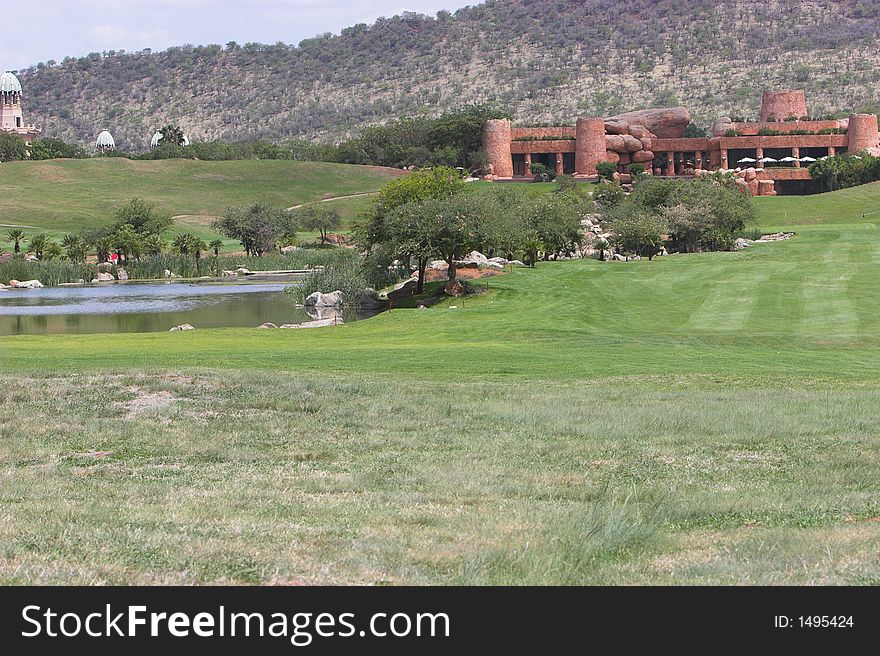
(782, 105)
(496, 145)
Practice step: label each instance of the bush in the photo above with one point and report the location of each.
(606, 170)
(636, 169)
(608, 194)
(345, 272)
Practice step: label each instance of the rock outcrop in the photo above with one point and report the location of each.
(665, 123)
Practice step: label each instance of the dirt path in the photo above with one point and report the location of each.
(330, 200)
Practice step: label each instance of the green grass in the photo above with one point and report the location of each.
(706, 418)
(60, 196)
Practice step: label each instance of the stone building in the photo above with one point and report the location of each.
(11, 117)
(768, 156)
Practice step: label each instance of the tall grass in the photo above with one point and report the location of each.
(573, 545)
(55, 272)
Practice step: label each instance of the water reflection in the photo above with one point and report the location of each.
(150, 307)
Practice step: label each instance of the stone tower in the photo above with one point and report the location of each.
(590, 148)
(781, 105)
(862, 132)
(496, 145)
(11, 118)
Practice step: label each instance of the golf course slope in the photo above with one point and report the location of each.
(705, 418)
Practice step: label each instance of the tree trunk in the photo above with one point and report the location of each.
(423, 264)
(452, 271)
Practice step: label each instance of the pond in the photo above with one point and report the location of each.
(147, 307)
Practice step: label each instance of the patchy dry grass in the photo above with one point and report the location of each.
(249, 477)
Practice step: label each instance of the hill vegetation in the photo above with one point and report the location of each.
(541, 60)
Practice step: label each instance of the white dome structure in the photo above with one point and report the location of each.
(105, 142)
(157, 140)
(9, 83)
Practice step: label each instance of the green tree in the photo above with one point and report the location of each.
(258, 227)
(127, 242)
(216, 245)
(16, 236)
(638, 230)
(142, 217)
(12, 147)
(438, 182)
(319, 217)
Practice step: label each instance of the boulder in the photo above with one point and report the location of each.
(643, 156)
(616, 127)
(438, 265)
(317, 299)
(638, 131)
(27, 284)
(626, 178)
(721, 126)
(475, 256)
(665, 123)
(612, 156)
(268, 324)
(631, 144)
(167, 273)
(103, 277)
(498, 260)
(321, 323)
(624, 158)
(516, 263)
(402, 290)
(368, 299)
(242, 271)
(615, 142)
(289, 250)
(121, 274)
(750, 174)
(228, 273)
(183, 326)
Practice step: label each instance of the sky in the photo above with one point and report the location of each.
(54, 29)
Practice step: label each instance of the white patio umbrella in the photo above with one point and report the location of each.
(788, 159)
(746, 160)
(824, 158)
(808, 159)
(768, 160)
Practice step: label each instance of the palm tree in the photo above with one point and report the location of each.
(38, 244)
(75, 247)
(198, 245)
(216, 245)
(183, 243)
(15, 236)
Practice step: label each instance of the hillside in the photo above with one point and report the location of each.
(543, 60)
(66, 195)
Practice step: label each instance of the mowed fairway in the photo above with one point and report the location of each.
(708, 418)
